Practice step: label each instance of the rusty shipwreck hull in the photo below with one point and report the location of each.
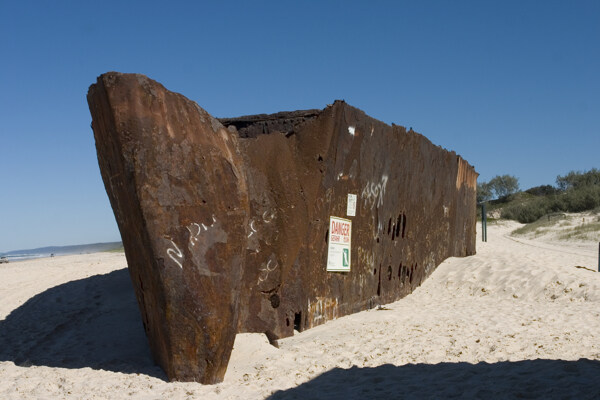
(225, 223)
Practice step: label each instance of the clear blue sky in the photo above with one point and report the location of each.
(512, 86)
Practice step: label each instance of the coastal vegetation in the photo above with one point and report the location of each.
(574, 192)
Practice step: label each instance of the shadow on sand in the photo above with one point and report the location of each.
(529, 379)
(92, 322)
(95, 323)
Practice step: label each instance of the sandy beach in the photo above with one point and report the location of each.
(521, 319)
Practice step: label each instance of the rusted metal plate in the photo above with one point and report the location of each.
(226, 229)
(176, 184)
(416, 207)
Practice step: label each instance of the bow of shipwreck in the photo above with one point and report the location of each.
(231, 225)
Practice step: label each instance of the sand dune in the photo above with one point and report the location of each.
(519, 319)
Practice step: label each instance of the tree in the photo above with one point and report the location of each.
(499, 186)
(567, 181)
(576, 180)
(504, 185)
(484, 192)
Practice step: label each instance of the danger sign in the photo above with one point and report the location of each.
(338, 254)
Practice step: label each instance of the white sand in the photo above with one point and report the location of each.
(516, 320)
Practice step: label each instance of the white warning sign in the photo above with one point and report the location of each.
(351, 208)
(338, 254)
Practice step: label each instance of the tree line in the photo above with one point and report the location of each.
(574, 192)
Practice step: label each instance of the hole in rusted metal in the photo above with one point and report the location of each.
(389, 226)
(403, 224)
(275, 301)
(298, 321)
(287, 322)
(319, 158)
(398, 221)
(379, 283)
(412, 270)
(389, 272)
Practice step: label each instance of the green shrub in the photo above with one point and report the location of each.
(544, 190)
(577, 180)
(526, 212)
(586, 198)
(573, 200)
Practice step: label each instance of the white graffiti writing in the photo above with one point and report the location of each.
(175, 254)
(268, 217)
(264, 272)
(196, 230)
(322, 202)
(366, 257)
(373, 193)
(323, 309)
(252, 228)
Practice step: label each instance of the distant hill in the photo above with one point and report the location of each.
(61, 250)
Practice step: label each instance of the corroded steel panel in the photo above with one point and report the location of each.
(416, 207)
(225, 223)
